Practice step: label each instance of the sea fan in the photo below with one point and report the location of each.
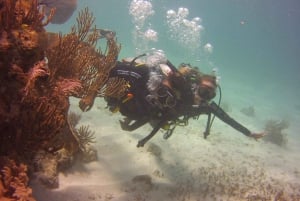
(274, 132)
(63, 9)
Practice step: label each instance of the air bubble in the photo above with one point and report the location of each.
(186, 32)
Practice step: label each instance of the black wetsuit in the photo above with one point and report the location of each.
(141, 111)
(137, 106)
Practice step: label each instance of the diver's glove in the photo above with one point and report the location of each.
(257, 136)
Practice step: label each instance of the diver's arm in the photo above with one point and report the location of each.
(213, 108)
(221, 114)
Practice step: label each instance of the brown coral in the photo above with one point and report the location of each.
(76, 57)
(14, 181)
(22, 27)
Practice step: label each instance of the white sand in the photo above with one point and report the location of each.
(226, 166)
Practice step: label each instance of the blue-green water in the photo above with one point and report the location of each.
(256, 43)
(256, 48)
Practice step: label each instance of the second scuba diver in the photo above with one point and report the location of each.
(164, 96)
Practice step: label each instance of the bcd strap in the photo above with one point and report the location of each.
(139, 56)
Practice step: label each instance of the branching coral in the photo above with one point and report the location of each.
(274, 132)
(40, 69)
(97, 75)
(75, 52)
(75, 57)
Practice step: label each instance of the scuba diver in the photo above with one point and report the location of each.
(166, 96)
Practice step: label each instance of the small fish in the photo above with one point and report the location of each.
(105, 33)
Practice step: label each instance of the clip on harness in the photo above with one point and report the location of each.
(210, 119)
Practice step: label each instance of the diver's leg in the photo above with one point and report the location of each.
(125, 125)
(143, 141)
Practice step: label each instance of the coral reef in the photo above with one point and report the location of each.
(23, 78)
(39, 71)
(274, 132)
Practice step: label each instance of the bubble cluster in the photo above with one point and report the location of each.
(141, 10)
(208, 48)
(155, 57)
(151, 35)
(183, 30)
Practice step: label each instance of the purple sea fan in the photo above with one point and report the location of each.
(63, 9)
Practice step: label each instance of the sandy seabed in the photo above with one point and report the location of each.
(225, 166)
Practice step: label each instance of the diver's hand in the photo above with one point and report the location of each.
(257, 136)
